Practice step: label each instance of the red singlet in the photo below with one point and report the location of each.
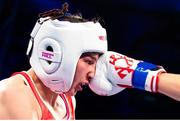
(46, 114)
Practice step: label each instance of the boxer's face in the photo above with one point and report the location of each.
(85, 71)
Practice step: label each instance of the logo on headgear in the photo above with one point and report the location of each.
(102, 38)
(47, 55)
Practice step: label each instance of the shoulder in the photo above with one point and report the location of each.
(12, 88)
(15, 99)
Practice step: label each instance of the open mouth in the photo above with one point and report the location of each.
(82, 86)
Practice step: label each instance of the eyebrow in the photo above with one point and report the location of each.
(89, 54)
(94, 58)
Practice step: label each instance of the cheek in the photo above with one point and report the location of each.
(80, 70)
(79, 73)
(81, 67)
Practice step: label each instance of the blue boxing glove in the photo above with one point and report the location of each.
(115, 72)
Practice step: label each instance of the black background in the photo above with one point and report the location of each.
(147, 30)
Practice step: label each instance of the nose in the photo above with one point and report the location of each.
(91, 73)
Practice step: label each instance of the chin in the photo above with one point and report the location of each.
(73, 93)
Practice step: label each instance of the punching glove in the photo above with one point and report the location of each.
(115, 72)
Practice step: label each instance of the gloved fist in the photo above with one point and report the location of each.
(115, 72)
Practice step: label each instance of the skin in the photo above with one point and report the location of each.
(169, 85)
(17, 98)
(84, 73)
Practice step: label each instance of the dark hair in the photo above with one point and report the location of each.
(63, 15)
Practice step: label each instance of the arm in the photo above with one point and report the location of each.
(169, 85)
(115, 72)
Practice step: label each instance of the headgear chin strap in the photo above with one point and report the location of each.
(57, 47)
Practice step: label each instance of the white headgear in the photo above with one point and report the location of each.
(57, 46)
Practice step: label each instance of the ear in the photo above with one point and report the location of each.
(50, 55)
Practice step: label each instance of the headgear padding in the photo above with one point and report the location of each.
(57, 47)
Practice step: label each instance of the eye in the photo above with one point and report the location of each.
(89, 61)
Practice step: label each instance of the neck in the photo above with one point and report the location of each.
(46, 94)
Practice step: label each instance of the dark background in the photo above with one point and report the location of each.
(147, 30)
